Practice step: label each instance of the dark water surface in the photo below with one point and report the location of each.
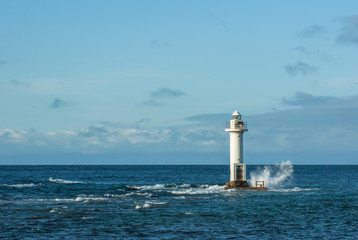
(176, 202)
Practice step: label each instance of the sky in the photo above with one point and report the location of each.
(153, 82)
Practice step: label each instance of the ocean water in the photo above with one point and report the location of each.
(177, 202)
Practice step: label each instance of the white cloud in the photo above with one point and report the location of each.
(99, 139)
(317, 123)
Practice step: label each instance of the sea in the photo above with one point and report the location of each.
(177, 202)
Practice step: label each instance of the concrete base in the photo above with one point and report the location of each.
(242, 185)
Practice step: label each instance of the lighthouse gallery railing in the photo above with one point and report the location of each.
(237, 127)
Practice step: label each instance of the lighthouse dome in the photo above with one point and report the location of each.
(236, 115)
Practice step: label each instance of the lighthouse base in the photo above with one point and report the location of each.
(243, 185)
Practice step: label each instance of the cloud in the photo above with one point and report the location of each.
(322, 123)
(300, 68)
(317, 124)
(306, 99)
(100, 139)
(313, 31)
(167, 92)
(349, 30)
(16, 83)
(158, 95)
(92, 131)
(58, 103)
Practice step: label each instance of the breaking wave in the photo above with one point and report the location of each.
(273, 176)
(201, 189)
(20, 185)
(77, 199)
(295, 189)
(149, 204)
(181, 189)
(63, 181)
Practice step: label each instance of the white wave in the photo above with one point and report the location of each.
(156, 202)
(90, 199)
(60, 200)
(151, 187)
(180, 197)
(162, 186)
(231, 190)
(20, 185)
(63, 181)
(202, 189)
(146, 205)
(145, 194)
(295, 189)
(107, 195)
(272, 175)
(54, 200)
(77, 199)
(149, 204)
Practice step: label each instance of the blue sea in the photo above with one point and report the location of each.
(177, 202)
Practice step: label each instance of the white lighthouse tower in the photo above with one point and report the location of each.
(236, 128)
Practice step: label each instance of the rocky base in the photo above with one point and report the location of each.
(242, 185)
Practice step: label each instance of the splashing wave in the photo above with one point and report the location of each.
(273, 176)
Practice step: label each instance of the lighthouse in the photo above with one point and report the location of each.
(236, 128)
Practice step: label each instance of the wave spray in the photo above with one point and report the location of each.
(272, 175)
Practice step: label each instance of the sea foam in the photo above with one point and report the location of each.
(273, 176)
(20, 185)
(295, 189)
(201, 189)
(63, 181)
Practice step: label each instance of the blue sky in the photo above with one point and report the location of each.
(135, 77)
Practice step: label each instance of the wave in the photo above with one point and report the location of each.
(77, 199)
(63, 181)
(201, 189)
(26, 185)
(145, 205)
(272, 176)
(163, 186)
(295, 189)
(131, 194)
(156, 202)
(149, 204)
(176, 189)
(151, 187)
